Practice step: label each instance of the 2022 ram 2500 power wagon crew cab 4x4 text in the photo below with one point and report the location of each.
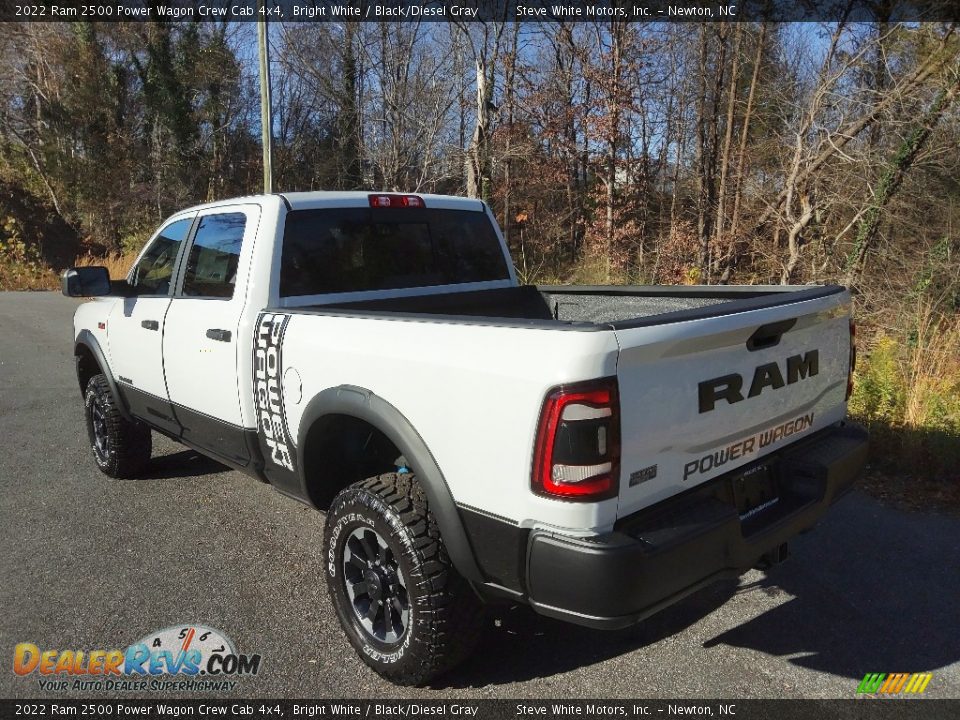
(594, 452)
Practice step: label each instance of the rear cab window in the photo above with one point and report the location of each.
(338, 250)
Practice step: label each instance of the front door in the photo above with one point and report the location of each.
(135, 327)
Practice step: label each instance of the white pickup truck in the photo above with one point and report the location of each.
(594, 452)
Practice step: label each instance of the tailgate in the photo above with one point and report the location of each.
(703, 397)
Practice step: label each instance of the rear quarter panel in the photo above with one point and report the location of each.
(473, 392)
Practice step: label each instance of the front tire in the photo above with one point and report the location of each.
(121, 447)
(403, 606)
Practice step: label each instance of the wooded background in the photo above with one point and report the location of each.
(609, 151)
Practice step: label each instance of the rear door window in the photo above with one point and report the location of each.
(214, 256)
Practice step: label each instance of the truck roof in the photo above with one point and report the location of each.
(353, 198)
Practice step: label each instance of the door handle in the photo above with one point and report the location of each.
(221, 335)
(150, 324)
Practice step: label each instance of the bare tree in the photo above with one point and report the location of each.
(484, 40)
(411, 100)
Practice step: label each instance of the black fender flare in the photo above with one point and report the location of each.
(86, 339)
(364, 405)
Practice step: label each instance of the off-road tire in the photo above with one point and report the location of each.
(121, 447)
(445, 616)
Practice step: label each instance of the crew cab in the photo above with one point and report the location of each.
(594, 452)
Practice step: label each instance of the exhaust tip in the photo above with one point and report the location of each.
(773, 557)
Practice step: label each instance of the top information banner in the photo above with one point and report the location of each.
(481, 11)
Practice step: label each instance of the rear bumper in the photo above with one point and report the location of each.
(659, 555)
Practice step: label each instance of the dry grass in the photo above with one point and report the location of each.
(117, 264)
(933, 372)
(26, 276)
(22, 267)
(908, 393)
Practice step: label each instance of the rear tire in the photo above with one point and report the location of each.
(405, 609)
(121, 447)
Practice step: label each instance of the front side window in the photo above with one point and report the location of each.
(215, 256)
(152, 274)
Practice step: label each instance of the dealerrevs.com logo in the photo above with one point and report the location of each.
(185, 658)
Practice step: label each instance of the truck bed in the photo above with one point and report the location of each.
(602, 307)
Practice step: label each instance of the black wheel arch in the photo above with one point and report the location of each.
(365, 405)
(91, 361)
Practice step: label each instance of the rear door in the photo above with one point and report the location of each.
(200, 345)
(136, 324)
(703, 397)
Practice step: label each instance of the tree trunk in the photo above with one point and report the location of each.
(707, 145)
(720, 221)
(703, 191)
(478, 153)
(612, 141)
(509, 74)
(795, 238)
(741, 154)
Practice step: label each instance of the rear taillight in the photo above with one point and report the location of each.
(389, 200)
(853, 358)
(577, 451)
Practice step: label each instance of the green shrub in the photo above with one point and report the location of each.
(878, 391)
(908, 394)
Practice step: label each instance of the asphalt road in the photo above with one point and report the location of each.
(89, 562)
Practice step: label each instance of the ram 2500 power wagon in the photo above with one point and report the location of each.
(594, 452)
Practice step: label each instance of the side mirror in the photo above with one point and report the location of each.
(90, 281)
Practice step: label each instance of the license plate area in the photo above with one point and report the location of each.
(754, 493)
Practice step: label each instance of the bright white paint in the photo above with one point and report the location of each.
(474, 391)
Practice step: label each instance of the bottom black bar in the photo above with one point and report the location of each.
(890, 708)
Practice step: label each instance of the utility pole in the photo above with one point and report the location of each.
(266, 117)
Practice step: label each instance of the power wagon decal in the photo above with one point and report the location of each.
(272, 431)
